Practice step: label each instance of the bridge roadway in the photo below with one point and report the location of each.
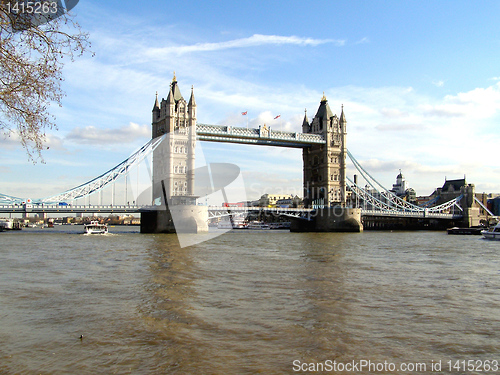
(214, 211)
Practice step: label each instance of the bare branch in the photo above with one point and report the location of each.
(32, 51)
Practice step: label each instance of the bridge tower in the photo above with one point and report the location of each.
(173, 168)
(174, 160)
(325, 176)
(325, 165)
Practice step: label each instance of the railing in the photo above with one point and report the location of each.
(421, 214)
(52, 208)
(217, 211)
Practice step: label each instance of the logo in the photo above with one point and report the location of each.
(26, 14)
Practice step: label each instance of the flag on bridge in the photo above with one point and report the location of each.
(244, 113)
(277, 117)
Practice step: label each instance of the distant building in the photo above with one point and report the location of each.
(494, 205)
(399, 188)
(290, 202)
(452, 186)
(402, 190)
(271, 200)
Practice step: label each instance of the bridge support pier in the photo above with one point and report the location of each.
(329, 219)
(175, 219)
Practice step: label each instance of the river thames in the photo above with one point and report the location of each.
(248, 302)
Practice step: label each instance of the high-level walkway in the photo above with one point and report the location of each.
(263, 136)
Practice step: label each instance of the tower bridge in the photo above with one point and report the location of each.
(332, 201)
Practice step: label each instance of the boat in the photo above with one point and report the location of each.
(258, 225)
(236, 223)
(492, 233)
(95, 228)
(9, 224)
(472, 230)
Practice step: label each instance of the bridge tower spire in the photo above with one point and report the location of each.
(191, 142)
(156, 109)
(305, 123)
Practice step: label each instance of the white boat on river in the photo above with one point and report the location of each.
(492, 233)
(95, 228)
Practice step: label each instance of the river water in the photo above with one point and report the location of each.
(247, 302)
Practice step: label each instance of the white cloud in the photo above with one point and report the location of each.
(123, 135)
(364, 40)
(255, 40)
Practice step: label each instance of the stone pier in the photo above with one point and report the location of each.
(329, 219)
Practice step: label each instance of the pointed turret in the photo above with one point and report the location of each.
(342, 116)
(192, 107)
(156, 109)
(305, 123)
(157, 105)
(170, 97)
(324, 111)
(343, 122)
(322, 117)
(175, 90)
(192, 102)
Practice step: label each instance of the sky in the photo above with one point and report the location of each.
(419, 82)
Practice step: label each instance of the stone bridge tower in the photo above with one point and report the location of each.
(174, 203)
(325, 165)
(174, 159)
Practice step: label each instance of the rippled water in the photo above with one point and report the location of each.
(246, 302)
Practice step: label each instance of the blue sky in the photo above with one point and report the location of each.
(419, 81)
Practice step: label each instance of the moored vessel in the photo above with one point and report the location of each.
(466, 231)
